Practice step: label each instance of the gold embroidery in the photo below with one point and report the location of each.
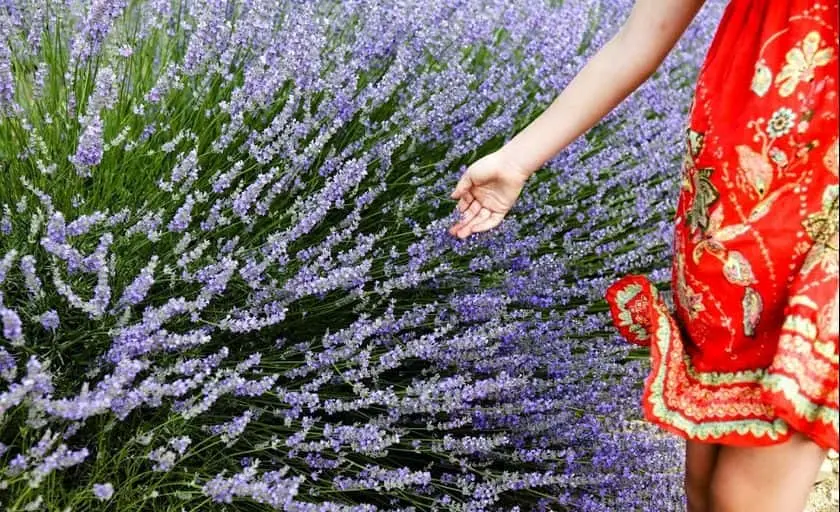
(801, 326)
(802, 300)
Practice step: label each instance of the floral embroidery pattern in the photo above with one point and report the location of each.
(781, 122)
(757, 232)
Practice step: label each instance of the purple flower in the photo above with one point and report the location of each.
(181, 220)
(164, 459)
(136, 292)
(8, 366)
(84, 223)
(88, 40)
(6, 265)
(56, 228)
(6, 221)
(7, 81)
(49, 320)
(180, 444)
(61, 458)
(104, 94)
(12, 328)
(89, 152)
(103, 492)
(31, 279)
(230, 431)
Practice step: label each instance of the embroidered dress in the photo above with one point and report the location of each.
(750, 354)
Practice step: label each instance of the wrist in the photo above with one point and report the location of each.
(513, 160)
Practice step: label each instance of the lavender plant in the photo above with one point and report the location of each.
(225, 280)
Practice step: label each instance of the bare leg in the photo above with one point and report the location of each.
(700, 461)
(770, 479)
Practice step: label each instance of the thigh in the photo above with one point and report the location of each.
(700, 459)
(776, 478)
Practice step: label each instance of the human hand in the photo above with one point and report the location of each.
(486, 192)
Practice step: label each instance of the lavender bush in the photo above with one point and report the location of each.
(226, 284)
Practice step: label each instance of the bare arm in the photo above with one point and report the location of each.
(619, 67)
(490, 186)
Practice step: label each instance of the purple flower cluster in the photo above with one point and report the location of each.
(103, 491)
(225, 274)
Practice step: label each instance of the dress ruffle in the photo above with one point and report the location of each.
(797, 392)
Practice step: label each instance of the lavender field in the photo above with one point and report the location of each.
(226, 281)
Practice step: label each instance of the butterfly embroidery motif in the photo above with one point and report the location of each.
(802, 60)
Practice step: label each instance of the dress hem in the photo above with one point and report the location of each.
(748, 408)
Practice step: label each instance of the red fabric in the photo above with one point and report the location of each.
(751, 353)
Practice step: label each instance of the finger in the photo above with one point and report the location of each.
(466, 230)
(465, 201)
(466, 216)
(491, 222)
(462, 186)
(470, 213)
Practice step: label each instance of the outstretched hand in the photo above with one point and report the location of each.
(486, 192)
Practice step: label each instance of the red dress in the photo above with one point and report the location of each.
(751, 353)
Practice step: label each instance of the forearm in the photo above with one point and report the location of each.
(606, 80)
(621, 65)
